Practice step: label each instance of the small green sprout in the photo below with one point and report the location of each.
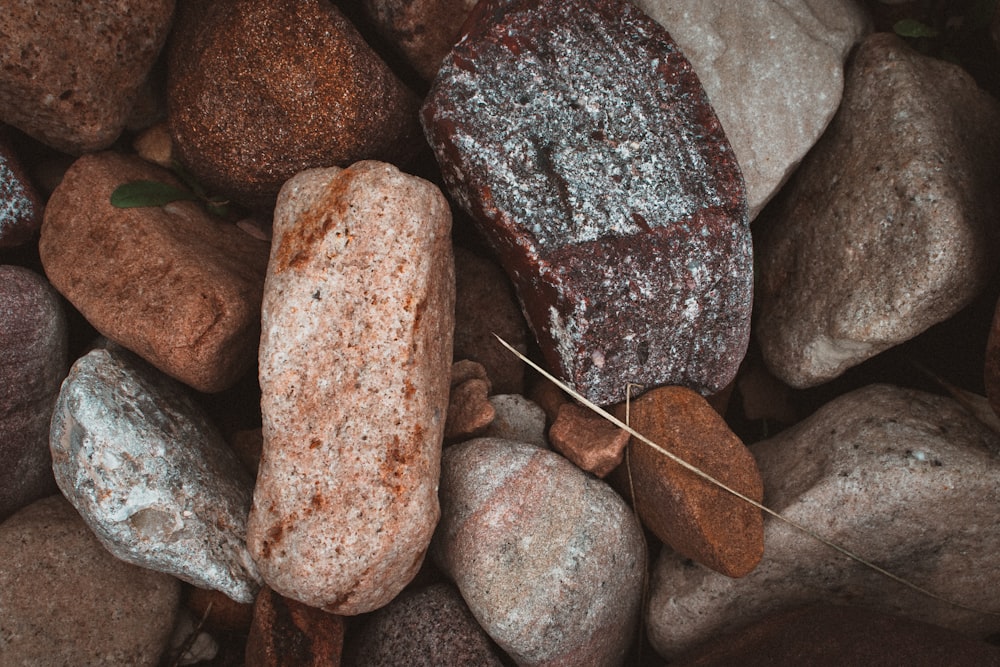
(143, 193)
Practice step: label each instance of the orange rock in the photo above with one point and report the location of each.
(286, 633)
(469, 410)
(591, 442)
(696, 518)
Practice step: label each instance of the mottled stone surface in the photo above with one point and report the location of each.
(354, 368)
(588, 440)
(286, 633)
(772, 70)
(832, 636)
(580, 140)
(696, 518)
(71, 71)
(886, 228)
(517, 418)
(469, 410)
(32, 365)
(150, 475)
(67, 601)
(908, 480)
(20, 206)
(549, 559)
(431, 627)
(174, 284)
(258, 91)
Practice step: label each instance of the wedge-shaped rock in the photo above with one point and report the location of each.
(579, 138)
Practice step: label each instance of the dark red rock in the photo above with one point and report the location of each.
(20, 206)
(579, 138)
(286, 633)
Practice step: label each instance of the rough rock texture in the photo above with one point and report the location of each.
(175, 285)
(432, 627)
(588, 440)
(150, 475)
(772, 70)
(908, 480)
(469, 410)
(32, 365)
(258, 91)
(286, 633)
(832, 636)
(579, 139)
(423, 30)
(71, 71)
(354, 368)
(697, 519)
(549, 559)
(20, 206)
(67, 601)
(517, 418)
(886, 228)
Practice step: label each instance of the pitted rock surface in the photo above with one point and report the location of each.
(20, 206)
(578, 137)
(150, 475)
(355, 360)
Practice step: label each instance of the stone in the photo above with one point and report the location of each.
(822, 635)
(772, 70)
(908, 480)
(549, 397)
(469, 410)
(286, 633)
(67, 601)
(865, 249)
(20, 206)
(175, 285)
(32, 365)
(549, 559)
(220, 614)
(155, 145)
(991, 373)
(259, 91)
(696, 518)
(188, 644)
(591, 442)
(579, 139)
(517, 418)
(485, 307)
(70, 72)
(466, 369)
(355, 356)
(150, 475)
(422, 30)
(431, 627)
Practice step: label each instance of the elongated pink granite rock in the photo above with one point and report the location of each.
(579, 138)
(355, 355)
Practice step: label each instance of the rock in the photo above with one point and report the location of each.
(469, 410)
(907, 480)
(20, 205)
(150, 475)
(188, 645)
(549, 398)
(354, 369)
(550, 560)
(174, 284)
(772, 70)
(32, 365)
(221, 614)
(72, 71)
(432, 627)
(830, 636)
(517, 419)
(867, 248)
(579, 139)
(67, 601)
(991, 374)
(485, 305)
(424, 31)
(155, 145)
(466, 369)
(588, 440)
(259, 91)
(697, 519)
(286, 633)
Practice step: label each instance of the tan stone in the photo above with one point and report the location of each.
(469, 410)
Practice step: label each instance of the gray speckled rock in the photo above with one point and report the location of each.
(150, 475)
(888, 226)
(64, 600)
(20, 206)
(517, 418)
(32, 364)
(906, 479)
(772, 70)
(549, 559)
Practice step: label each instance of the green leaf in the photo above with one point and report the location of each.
(913, 28)
(148, 193)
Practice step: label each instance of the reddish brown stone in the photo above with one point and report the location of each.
(466, 369)
(259, 91)
(286, 633)
(696, 518)
(549, 397)
(469, 410)
(588, 440)
(221, 614)
(174, 284)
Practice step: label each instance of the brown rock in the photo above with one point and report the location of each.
(286, 633)
(696, 518)
(549, 397)
(221, 613)
(466, 369)
(469, 410)
(71, 71)
(20, 206)
(591, 442)
(174, 284)
(155, 145)
(259, 91)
